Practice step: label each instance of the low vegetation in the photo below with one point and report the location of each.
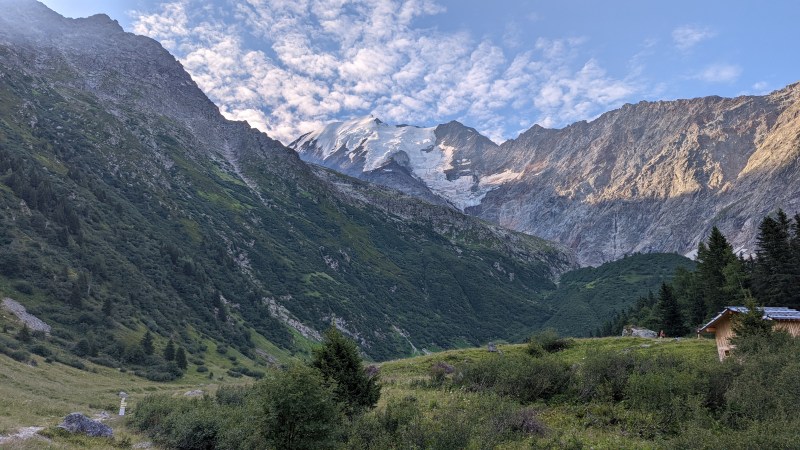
(588, 393)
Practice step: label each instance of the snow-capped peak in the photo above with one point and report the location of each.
(366, 145)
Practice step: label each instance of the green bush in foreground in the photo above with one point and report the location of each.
(338, 361)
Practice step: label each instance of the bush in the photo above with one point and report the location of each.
(439, 372)
(547, 341)
(297, 410)
(765, 387)
(151, 413)
(526, 421)
(163, 372)
(105, 360)
(517, 376)
(604, 375)
(232, 395)
(70, 361)
(178, 423)
(202, 369)
(41, 350)
(23, 287)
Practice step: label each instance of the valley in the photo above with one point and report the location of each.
(376, 285)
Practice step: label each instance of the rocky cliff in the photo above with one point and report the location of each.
(654, 176)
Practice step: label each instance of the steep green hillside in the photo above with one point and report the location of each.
(589, 296)
(127, 203)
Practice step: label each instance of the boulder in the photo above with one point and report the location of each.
(632, 331)
(78, 423)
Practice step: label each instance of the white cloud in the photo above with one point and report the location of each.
(761, 88)
(688, 36)
(287, 66)
(719, 73)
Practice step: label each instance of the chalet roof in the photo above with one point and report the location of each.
(770, 313)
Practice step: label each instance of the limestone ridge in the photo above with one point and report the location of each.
(654, 176)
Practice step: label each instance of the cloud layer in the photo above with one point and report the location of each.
(289, 66)
(688, 36)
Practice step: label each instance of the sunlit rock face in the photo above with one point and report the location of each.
(654, 176)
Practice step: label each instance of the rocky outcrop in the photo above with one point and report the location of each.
(632, 331)
(78, 423)
(33, 322)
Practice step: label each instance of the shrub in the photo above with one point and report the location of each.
(41, 350)
(23, 287)
(296, 409)
(232, 395)
(604, 375)
(526, 421)
(151, 413)
(439, 372)
(549, 341)
(517, 377)
(178, 423)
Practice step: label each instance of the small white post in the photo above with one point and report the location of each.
(122, 403)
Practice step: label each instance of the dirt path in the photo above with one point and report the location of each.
(22, 434)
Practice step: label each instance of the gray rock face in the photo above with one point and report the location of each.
(33, 322)
(655, 176)
(631, 331)
(78, 423)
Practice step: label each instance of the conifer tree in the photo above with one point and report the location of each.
(777, 272)
(669, 312)
(147, 343)
(711, 262)
(180, 358)
(169, 351)
(339, 361)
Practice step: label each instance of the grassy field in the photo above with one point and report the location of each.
(42, 395)
(569, 425)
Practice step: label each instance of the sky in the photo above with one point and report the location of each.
(291, 66)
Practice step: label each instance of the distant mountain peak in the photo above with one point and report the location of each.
(649, 176)
(366, 148)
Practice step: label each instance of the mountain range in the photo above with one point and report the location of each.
(649, 177)
(128, 203)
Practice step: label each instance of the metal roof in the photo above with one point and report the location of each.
(770, 313)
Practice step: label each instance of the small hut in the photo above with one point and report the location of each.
(786, 319)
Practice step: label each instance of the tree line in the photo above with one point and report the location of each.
(769, 277)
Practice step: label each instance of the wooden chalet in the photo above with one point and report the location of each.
(787, 319)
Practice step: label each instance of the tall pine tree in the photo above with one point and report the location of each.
(669, 312)
(777, 267)
(712, 259)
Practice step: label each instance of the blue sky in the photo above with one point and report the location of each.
(289, 66)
